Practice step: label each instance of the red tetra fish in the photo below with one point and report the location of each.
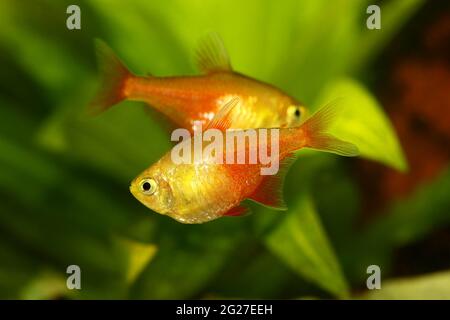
(185, 99)
(197, 192)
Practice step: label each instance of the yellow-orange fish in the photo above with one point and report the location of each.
(206, 190)
(185, 99)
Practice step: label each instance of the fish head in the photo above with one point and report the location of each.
(153, 190)
(291, 112)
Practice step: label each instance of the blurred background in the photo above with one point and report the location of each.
(64, 177)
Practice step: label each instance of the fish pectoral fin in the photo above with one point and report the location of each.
(212, 55)
(222, 119)
(240, 210)
(270, 191)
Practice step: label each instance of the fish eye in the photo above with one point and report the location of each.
(295, 112)
(148, 186)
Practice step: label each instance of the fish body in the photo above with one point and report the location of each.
(206, 190)
(186, 99)
(200, 192)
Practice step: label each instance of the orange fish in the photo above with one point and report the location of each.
(185, 99)
(201, 191)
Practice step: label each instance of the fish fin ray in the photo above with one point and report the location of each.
(211, 54)
(270, 191)
(317, 138)
(222, 119)
(240, 210)
(329, 143)
(113, 74)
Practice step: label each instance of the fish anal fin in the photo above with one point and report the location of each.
(240, 210)
(222, 120)
(270, 190)
(212, 55)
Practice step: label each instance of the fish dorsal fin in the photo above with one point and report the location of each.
(222, 119)
(270, 190)
(212, 55)
(240, 210)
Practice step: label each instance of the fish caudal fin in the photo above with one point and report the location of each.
(113, 74)
(315, 129)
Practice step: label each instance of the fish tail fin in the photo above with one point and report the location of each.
(113, 74)
(315, 130)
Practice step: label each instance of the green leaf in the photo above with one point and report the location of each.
(139, 256)
(363, 122)
(429, 287)
(301, 243)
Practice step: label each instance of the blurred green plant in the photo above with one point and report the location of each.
(431, 287)
(363, 123)
(300, 241)
(64, 193)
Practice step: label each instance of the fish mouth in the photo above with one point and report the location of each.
(133, 190)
